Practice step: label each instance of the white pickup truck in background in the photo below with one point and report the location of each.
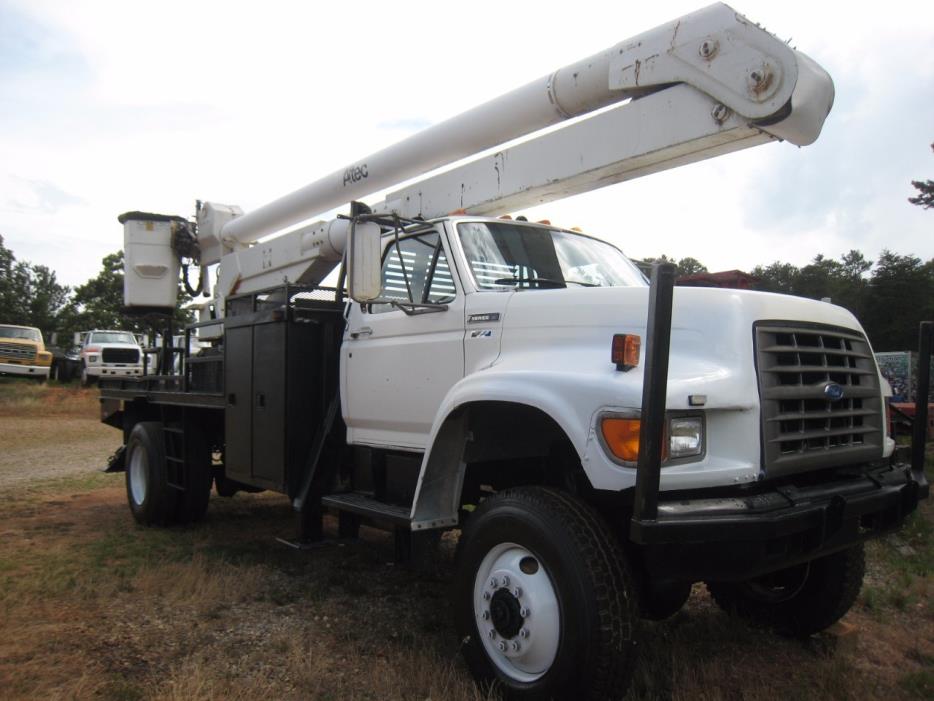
(108, 354)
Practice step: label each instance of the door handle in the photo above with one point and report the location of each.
(362, 331)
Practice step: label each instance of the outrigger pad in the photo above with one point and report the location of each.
(117, 461)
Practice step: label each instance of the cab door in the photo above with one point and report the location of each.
(397, 365)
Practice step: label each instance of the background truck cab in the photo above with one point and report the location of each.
(108, 354)
(22, 352)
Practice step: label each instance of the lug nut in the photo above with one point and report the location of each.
(486, 595)
(492, 634)
(485, 615)
(494, 582)
(502, 646)
(524, 612)
(524, 633)
(517, 592)
(515, 646)
(505, 581)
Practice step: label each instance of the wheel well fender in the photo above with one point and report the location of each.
(483, 432)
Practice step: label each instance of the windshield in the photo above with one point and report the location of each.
(17, 332)
(111, 337)
(507, 255)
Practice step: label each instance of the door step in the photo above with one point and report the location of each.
(365, 506)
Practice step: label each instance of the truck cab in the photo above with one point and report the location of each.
(23, 353)
(513, 325)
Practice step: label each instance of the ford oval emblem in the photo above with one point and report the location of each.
(833, 391)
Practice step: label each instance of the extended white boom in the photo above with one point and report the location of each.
(745, 71)
(703, 85)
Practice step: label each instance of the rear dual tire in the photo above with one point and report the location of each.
(152, 500)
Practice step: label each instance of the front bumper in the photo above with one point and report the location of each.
(118, 371)
(738, 537)
(25, 370)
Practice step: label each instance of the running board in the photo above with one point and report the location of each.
(365, 506)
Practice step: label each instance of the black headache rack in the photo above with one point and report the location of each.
(740, 533)
(182, 379)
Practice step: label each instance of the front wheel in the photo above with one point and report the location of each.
(86, 379)
(799, 600)
(544, 600)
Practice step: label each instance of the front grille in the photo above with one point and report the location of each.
(120, 355)
(800, 367)
(17, 351)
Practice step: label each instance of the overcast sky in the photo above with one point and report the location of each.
(113, 106)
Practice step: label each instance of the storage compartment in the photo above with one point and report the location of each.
(281, 367)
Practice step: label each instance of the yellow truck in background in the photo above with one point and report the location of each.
(22, 352)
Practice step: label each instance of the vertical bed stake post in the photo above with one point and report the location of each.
(920, 423)
(654, 390)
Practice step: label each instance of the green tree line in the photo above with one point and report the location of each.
(890, 296)
(31, 295)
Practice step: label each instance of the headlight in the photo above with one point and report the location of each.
(92, 358)
(685, 436)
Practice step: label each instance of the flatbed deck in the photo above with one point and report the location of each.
(131, 390)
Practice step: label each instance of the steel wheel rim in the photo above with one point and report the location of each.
(138, 472)
(504, 586)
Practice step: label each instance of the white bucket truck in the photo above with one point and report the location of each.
(600, 442)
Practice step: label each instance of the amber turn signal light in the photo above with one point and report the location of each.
(625, 351)
(621, 436)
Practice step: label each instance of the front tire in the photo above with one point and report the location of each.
(152, 501)
(544, 600)
(86, 379)
(800, 600)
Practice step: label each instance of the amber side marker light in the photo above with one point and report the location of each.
(621, 437)
(625, 351)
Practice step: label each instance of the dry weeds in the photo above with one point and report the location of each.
(94, 607)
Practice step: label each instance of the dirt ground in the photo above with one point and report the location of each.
(39, 449)
(93, 606)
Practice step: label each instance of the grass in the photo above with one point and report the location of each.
(217, 611)
(102, 608)
(93, 606)
(903, 563)
(22, 397)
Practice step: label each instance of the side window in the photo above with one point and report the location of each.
(420, 261)
(442, 284)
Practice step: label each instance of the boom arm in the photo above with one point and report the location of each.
(743, 71)
(703, 85)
